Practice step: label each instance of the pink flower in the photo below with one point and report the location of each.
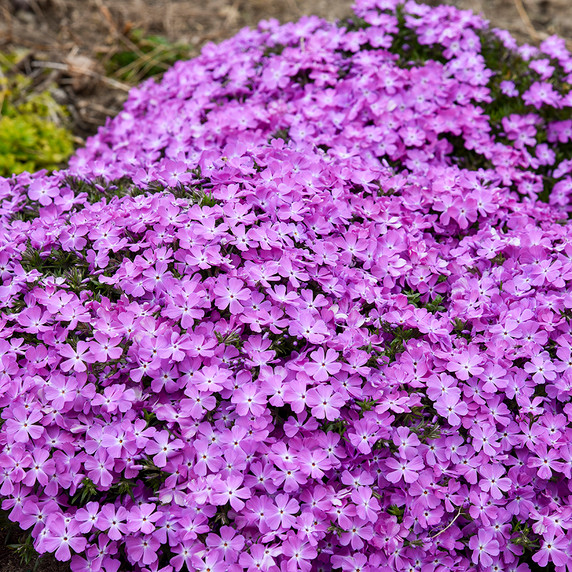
(484, 547)
(554, 549)
(406, 441)
(281, 513)
(99, 469)
(115, 397)
(307, 326)
(545, 460)
(77, 357)
(408, 470)
(452, 408)
(324, 364)
(62, 538)
(230, 490)
(40, 469)
(43, 192)
(142, 549)
(300, 554)
(87, 517)
(541, 367)
(142, 518)
(161, 446)
(325, 402)
(466, 363)
(485, 438)
(249, 399)
(104, 347)
(493, 480)
(22, 425)
(367, 506)
(111, 520)
(227, 542)
(229, 293)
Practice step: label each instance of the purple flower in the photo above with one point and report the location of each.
(553, 549)
(484, 546)
(63, 537)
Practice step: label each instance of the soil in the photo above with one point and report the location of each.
(73, 39)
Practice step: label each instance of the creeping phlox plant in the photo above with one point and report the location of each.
(303, 305)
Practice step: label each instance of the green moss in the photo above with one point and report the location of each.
(33, 133)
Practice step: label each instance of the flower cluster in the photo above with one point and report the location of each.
(303, 305)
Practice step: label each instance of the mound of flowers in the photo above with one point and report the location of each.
(303, 305)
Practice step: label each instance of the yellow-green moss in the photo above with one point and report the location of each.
(33, 135)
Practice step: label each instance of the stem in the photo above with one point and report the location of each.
(454, 519)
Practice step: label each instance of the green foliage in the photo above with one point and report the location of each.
(145, 57)
(33, 135)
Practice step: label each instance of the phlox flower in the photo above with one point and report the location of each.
(325, 402)
(324, 318)
(554, 549)
(541, 368)
(142, 518)
(112, 521)
(22, 425)
(87, 517)
(35, 513)
(545, 460)
(249, 399)
(41, 467)
(230, 490)
(307, 326)
(115, 397)
(493, 480)
(105, 347)
(356, 534)
(300, 554)
(210, 562)
(313, 463)
(406, 469)
(406, 441)
(484, 547)
(161, 447)
(61, 390)
(230, 293)
(485, 437)
(452, 408)
(227, 542)
(281, 512)
(367, 506)
(34, 320)
(325, 364)
(363, 434)
(43, 192)
(62, 538)
(357, 562)
(99, 557)
(257, 560)
(541, 93)
(466, 363)
(77, 358)
(142, 549)
(99, 469)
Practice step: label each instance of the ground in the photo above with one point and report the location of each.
(76, 39)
